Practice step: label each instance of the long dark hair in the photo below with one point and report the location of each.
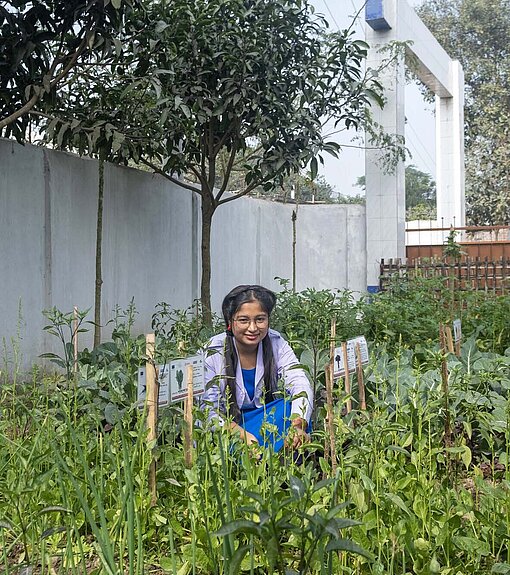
(233, 301)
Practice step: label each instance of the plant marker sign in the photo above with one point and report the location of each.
(172, 380)
(178, 385)
(338, 358)
(457, 330)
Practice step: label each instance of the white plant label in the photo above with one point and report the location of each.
(173, 384)
(164, 385)
(178, 377)
(338, 359)
(457, 330)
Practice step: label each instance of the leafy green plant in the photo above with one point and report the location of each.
(74, 492)
(181, 333)
(291, 529)
(451, 249)
(64, 326)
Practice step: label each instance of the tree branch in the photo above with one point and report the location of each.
(211, 157)
(174, 180)
(223, 138)
(36, 96)
(249, 189)
(20, 112)
(203, 178)
(226, 175)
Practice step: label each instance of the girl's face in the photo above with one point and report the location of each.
(250, 325)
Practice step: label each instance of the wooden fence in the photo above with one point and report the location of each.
(477, 274)
(492, 242)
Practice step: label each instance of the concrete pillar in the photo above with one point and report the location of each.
(385, 192)
(390, 21)
(450, 152)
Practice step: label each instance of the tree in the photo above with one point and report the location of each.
(250, 78)
(307, 190)
(295, 187)
(476, 33)
(42, 41)
(420, 193)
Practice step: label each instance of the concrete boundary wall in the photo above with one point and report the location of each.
(151, 240)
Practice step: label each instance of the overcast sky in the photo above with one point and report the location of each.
(420, 126)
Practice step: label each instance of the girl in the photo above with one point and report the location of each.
(242, 368)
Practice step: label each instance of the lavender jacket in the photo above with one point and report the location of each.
(295, 380)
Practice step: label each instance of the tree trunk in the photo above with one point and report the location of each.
(208, 208)
(99, 242)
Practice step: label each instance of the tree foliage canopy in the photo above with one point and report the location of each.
(200, 83)
(420, 193)
(476, 33)
(210, 76)
(42, 41)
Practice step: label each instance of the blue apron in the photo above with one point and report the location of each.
(269, 423)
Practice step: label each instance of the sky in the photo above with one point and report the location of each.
(342, 173)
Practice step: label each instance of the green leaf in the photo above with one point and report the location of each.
(238, 526)
(297, 488)
(398, 501)
(167, 564)
(314, 168)
(5, 525)
(472, 545)
(52, 531)
(237, 558)
(54, 509)
(349, 546)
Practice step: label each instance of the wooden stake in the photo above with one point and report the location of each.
(458, 343)
(188, 419)
(152, 391)
(347, 377)
(361, 383)
(331, 444)
(75, 338)
(444, 378)
(449, 338)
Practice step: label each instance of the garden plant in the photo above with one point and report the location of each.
(421, 486)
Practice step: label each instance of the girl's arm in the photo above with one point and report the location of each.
(246, 436)
(213, 398)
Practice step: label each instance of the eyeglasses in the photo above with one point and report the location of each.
(260, 321)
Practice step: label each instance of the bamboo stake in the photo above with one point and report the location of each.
(449, 338)
(347, 377)
(444, 378)
(329, 415)
(361, 383)
(329, 399)
(152, 390)
(75, 338)
(188, 419)
(458, 344)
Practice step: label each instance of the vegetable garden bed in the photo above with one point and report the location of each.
(74, 459)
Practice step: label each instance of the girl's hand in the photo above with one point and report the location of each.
(246, 436)
(250, 438)
(297, 435)
(253, 446)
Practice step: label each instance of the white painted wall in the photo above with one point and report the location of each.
(48, 203)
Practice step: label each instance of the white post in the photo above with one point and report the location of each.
(385, 192)
(450, 152)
